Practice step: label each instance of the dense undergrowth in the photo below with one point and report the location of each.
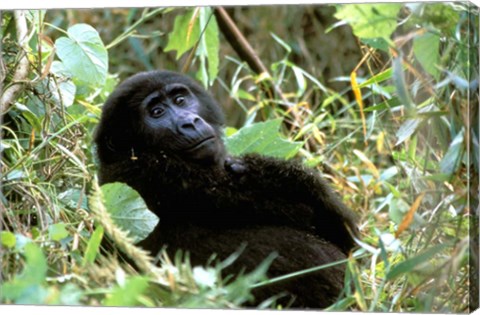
(397, 137)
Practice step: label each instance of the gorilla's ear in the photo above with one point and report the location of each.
(113, 141)
(109, 143)
(117, 142)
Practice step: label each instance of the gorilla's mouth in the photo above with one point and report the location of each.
(201, 143)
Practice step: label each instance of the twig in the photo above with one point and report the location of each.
(238, 41)
(21, 71)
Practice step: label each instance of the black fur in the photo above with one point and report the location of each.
(205, 208)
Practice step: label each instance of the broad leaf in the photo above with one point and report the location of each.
(377, 43)
(7, 239)
(128, 294)
(128, 210)
(57, 231)
(186, 32)
(27, 287)
(370, 20)
(36, 268)
(426, 50)
(407, 129)
(84, 55)
(210, 43)
(263, 138)
(411, 125)
(452, 158)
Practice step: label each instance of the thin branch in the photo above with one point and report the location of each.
(21, 71)
(238, 41)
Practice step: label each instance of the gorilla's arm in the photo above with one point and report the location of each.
(331, 219)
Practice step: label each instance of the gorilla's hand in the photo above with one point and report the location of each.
(235, 166)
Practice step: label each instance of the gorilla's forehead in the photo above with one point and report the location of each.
(143, 84)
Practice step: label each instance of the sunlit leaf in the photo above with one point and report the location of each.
(367, 162)
(84, 55)
(93, 246)
(370, 20)
(8, 239)
(263, 138)
(378, 78)
(377, 43)
(57, 231)
(186, 33)
(128, 294)
(210, 42)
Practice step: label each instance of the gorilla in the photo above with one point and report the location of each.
(161, 133)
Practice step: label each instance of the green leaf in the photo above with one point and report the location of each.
(73, 198)
(128, 210)
(128, 294)
(70, 295)
(377, 43)
(210, 42)
(407, 129)
(184, 35)
(245, 95)
(35, 270)
(401, 85)
(30, 116)
(262, 138)
(411, 125)
(370, 20)
(411, 263)
(93, 246)
(67, 91)
(186, 32)
(84, 55)
(451, 159)
(302, 84)
(378, 78)
(8, 239)
(57, 231)
(426, 50)
(388, 104)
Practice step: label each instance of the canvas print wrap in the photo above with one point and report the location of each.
(312, 157)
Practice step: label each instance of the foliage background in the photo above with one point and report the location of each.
(383, 99)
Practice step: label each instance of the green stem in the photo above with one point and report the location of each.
(304, 272)
(130, 30)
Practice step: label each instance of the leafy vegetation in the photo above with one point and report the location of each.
(396, 133)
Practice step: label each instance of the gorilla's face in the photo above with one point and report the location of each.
(161, 113)
(172, 119)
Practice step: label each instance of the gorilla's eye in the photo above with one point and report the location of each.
(156, 112)
(178, 100)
